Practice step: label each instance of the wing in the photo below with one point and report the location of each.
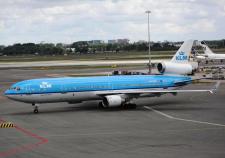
(157, 91)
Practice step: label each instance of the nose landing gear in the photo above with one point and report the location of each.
(35, 108)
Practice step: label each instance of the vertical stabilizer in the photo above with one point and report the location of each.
(206, 49)
(183, 53)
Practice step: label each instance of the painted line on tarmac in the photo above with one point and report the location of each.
(55, 75)
(26, 147)
(181, 119)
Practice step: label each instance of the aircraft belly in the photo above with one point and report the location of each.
(56, 97)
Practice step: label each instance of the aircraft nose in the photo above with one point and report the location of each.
(11, 94)
(7, 94)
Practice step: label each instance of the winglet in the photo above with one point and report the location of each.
(215, 87)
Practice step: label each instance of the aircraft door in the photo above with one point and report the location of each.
(28, 88)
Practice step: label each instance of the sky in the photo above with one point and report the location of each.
(67, 21)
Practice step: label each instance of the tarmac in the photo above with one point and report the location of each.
(186, 125)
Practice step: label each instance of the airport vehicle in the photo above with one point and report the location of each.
(208, 53)
(180, 63)
(113, 91)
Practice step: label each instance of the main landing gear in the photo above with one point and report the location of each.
(130, 106)
(35, 108)
(127, 105)
(100, 105)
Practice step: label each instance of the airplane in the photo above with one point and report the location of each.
(209, 54)
(180, 63)
(113, 91)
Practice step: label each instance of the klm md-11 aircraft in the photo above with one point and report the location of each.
(113, 91)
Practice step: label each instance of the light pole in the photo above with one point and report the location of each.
(149, 48)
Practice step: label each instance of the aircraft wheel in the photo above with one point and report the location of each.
(100, 105)
(133, 106)
(35, 108)
(35, 111)
(129, 106)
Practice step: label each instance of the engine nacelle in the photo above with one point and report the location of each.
(113, 101)
(175, 68)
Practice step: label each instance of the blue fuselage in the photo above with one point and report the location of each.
(101, 83)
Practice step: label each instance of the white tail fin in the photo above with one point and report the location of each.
(206, 49)
(183, 53)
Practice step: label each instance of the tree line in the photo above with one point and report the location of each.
(31, 49)
(84, 47)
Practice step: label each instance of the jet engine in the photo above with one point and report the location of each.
(113, 101)
(175, 68)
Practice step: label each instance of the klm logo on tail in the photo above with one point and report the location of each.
(183, 53)
(181, 56)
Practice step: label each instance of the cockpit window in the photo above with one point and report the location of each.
(14, 88)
